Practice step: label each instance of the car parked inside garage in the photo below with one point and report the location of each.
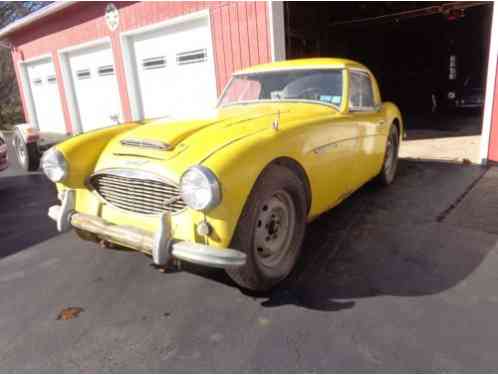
(234, 189)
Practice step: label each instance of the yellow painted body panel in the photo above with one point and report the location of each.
(338, 150)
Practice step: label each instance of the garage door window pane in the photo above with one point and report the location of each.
(106, 70)
(191, 57)
(83, 74)
(361, 93)
(154, 62)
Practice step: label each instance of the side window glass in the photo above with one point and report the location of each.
(368, 99)
(354, 92)
(361, 92)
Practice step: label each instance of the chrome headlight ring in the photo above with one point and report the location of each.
(200, 189)
(54, 165)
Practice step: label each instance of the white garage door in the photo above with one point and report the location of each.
(46, 101)
(95, 87)
(174, 68)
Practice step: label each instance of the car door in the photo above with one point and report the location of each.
(330, 144)
(367, 117)
(334, 147)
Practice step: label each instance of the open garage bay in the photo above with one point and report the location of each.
(429, 58)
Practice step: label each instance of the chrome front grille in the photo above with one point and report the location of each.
(138, 192)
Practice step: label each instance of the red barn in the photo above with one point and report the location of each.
(84, 65)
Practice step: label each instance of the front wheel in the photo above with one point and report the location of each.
(390, 165)
(271, 229)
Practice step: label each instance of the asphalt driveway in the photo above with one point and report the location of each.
(390, 280)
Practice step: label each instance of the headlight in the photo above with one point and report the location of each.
(54, 165)
(200, 189)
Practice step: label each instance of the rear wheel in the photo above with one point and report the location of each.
(271, 229)
(28, 154)
(388, 172)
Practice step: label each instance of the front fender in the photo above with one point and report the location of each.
(83, 151)
(238, 167)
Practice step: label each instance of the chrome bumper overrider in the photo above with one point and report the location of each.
(160, 244)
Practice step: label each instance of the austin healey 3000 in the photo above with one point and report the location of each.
(233, 188)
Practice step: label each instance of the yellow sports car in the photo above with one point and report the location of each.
(233, 188)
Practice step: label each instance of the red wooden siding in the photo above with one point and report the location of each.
(240, 33)
(493, 136)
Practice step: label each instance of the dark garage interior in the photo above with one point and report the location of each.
(429, 58)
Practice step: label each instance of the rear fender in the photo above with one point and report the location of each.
(393, 114)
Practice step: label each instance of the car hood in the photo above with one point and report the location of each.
(173, 131)
(199, 137)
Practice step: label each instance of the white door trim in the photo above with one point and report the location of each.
(490, 99)
(26, 87)
(131, 77)
(169, 22)
(68, 83)
(92, 43)
(39, 58)
(277, 29)
(129, 59)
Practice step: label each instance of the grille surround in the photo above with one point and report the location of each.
(137, 192)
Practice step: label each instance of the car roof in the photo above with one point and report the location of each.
(312, 63)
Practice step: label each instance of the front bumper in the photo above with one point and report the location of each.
(160, 245)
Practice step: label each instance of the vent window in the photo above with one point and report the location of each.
(191, 57)
(83, 74)
(154, 62)
(51, 79)
(106, 70)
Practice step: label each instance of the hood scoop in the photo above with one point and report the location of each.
(146, 143)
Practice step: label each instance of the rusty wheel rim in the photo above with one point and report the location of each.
(275, 224)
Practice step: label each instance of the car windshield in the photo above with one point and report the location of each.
(322, 86)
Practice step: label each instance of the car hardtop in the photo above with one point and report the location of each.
(309, 63)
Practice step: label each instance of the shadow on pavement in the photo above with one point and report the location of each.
(24, 202)
(382, 241)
